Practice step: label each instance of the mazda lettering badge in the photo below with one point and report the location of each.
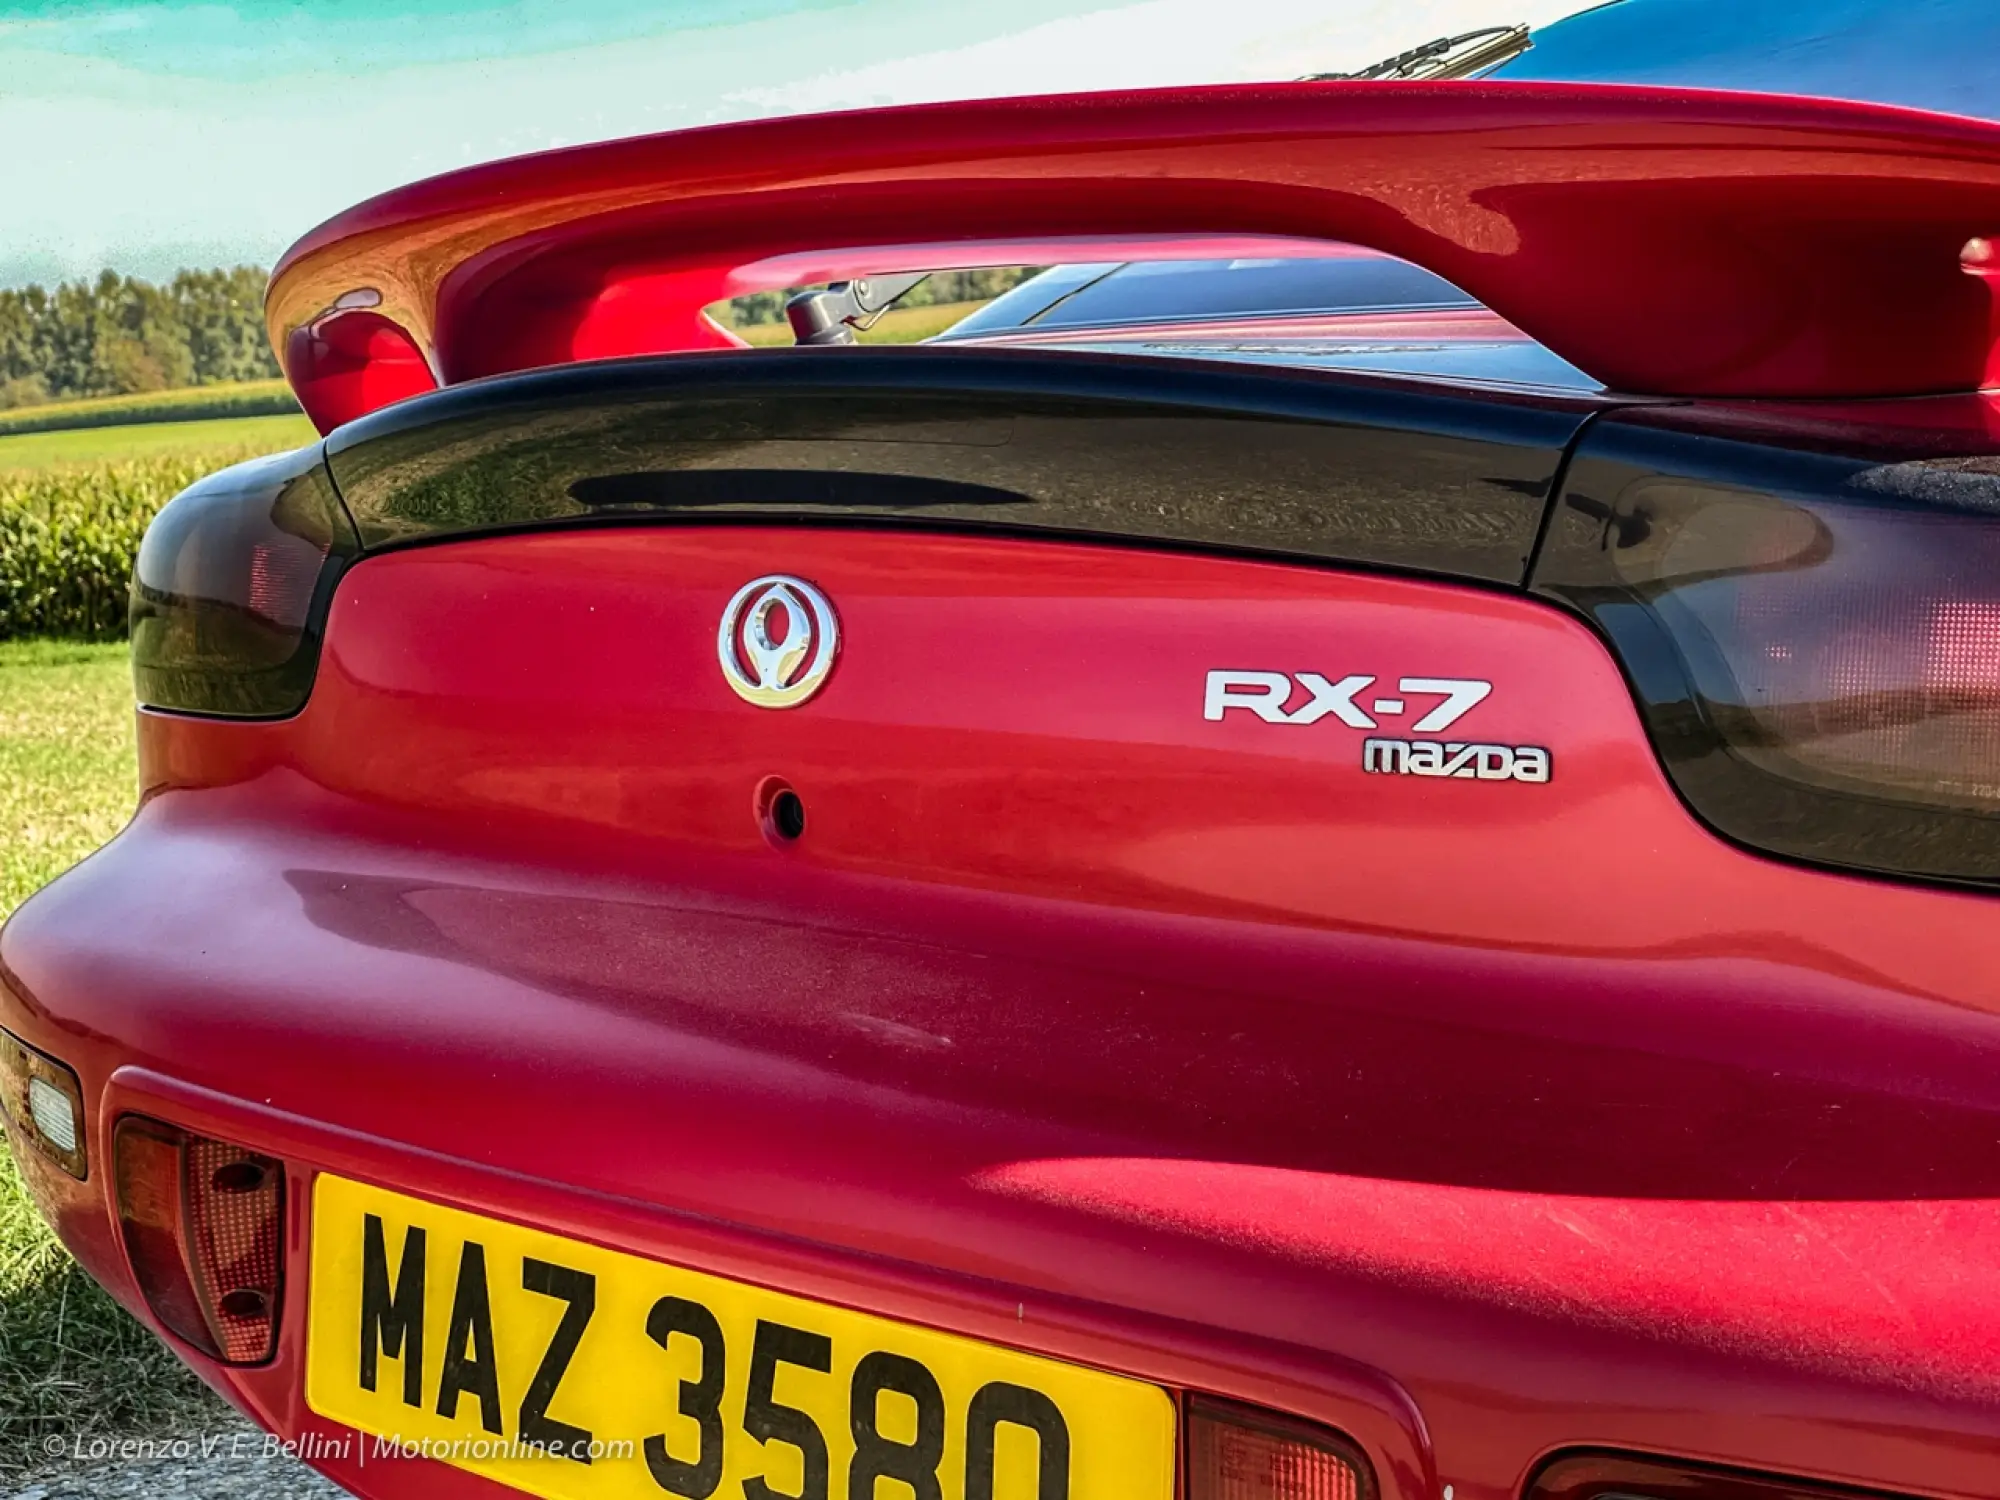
(777, 641)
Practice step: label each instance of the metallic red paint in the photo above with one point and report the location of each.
(1665, 241)
(1425, 1109)
(359, 360)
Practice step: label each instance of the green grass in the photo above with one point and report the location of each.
(71, 1360)
(247, 398)
(68, 778)
(35, 451)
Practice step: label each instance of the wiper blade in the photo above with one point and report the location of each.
(1462, 56)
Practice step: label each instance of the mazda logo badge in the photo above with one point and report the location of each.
(777, 641)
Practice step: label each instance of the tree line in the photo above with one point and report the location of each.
(118, 335)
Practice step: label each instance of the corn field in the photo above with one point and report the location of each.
(68, 538)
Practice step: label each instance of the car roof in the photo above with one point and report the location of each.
(1922, 54)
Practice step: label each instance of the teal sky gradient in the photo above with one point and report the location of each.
(152, 134)
(222, 41)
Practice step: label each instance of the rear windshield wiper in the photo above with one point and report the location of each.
(832, 315)
(1461, 56)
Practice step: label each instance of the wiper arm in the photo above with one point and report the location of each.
(831, 316)
(1461, 56)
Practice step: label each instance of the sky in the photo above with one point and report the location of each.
(147, 135)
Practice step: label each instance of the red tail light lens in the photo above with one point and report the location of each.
(231, 583)
(1241, 1453)
(1619, 1476)
(1818, 661)
(203, 1222)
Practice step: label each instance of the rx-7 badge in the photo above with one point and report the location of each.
(1443, 702)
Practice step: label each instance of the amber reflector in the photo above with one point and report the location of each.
(1240, 1453)
(203, 1222)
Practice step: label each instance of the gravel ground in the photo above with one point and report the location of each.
(225, 1463)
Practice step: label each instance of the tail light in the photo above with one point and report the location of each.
(203, 1223)
(42, 1104)
(1242, 1453)
(1818, 662)
(1618, 1476)
(231, 585)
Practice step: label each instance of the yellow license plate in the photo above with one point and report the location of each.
(574, 1373)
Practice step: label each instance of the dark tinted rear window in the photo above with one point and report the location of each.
(1162, 290)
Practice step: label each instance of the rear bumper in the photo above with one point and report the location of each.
(1173, 1352)
(550, 1049)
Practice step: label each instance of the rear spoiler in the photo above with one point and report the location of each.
(1667, 242)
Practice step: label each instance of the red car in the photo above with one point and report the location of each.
(1389, 899)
